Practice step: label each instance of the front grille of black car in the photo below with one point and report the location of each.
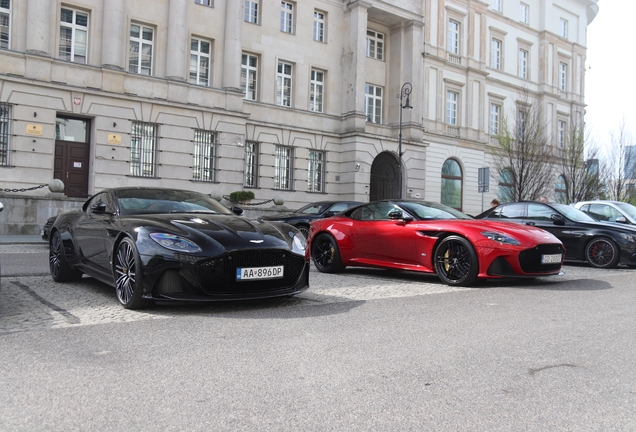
(530, 259)
(218, 275)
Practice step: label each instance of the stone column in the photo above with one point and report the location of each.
(232, 45)
(38, 31)
(354, 64)
(178, 44)
(112, 35)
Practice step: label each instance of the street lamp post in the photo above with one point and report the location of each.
(406, 91)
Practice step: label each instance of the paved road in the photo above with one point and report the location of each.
(363, 350)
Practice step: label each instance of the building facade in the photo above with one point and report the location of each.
(305, 100)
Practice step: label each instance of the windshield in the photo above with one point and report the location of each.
(628, 209)
(156, 201)
(572, 213)
(313, 209)
(430, 210)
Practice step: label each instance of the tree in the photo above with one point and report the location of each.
(524, 155)
(619, 165)
(579, 167)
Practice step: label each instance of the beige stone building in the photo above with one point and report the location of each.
(303, 99)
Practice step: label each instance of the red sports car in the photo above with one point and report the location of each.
(432, 238)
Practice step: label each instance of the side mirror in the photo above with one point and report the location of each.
(621, 219)
(99, 208)
(237, 210)
(557, 218)
(395, 214)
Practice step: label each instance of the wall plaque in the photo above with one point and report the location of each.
(114, 138)
(35, 130)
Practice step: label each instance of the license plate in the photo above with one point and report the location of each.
(550, 259)
(255, 273)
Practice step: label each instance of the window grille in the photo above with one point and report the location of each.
(143, 149)
(203, 165)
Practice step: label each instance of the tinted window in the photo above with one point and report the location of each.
(375, 211)
(510, 211)
(428, 211)
(572, 213)
(313, 209)
(539, 212)
(150, 201)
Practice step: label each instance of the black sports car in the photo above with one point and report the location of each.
(602, 245)
(152, 243)
(302, 217)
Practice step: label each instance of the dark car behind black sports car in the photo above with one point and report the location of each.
(152, 243)
(46, 229)
(302, 217)
(602, 245)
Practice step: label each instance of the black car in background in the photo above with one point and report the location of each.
(302, 217)
(46, 229)
(602, 245)
(168, 244)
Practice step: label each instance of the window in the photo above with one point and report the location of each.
(319, 26)
(495, 116)
(452, 184)
(523, 64)
(251, 12)
(204, 2)
(521, 124)
(453, 37)
(563, 28)
(561, 134)
(141, 42)
(563, 76)
(316, 94)
(495, 54)
(73, 35)
(203, 165)
(283, 168)
(451, 107)
(284, 84)
(375, 45)
(373, 103)
(560, 191)
(286, 17)
(251, 164)
(506, 189)
(524, 13)
(496, 5)
(200, 62)
(316, 171)
(5, 116)
(143, 148)
(5, 22)
(249, 72)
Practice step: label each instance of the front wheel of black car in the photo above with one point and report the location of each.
(602, 252)
(128, 276)
(326, 255)
(305, 230)
(60, 269)
(456, 261)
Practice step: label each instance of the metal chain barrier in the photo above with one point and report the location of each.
(247, 204)
(24, 189)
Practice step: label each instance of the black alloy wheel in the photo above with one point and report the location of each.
(60, 269)
(326, 255)
(456, 261)
(602, 252)
(128, 276)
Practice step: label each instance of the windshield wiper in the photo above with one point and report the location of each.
(194, 211)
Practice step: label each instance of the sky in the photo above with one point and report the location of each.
(610, 79)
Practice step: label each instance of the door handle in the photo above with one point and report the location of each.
(530, 223)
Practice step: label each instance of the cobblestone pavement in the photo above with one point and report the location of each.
(37, 302)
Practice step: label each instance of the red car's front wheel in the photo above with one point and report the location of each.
(326, 255)
(456, 261)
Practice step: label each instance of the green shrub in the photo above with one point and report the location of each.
(242, 195)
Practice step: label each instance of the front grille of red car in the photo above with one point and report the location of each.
(218, 275)
(530, 259)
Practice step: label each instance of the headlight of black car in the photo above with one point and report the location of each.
(629, 237)
(299, 244)
(500, 238)
(175, 242)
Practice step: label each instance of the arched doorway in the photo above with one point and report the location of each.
(384, 177)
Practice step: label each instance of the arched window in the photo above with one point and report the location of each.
(452, 184)
(561, 191)
(505, 190)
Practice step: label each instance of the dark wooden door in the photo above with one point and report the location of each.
(72, 151)
(384, 177)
